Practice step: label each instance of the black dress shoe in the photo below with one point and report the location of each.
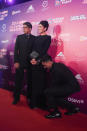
(53, 115)
(71, 112)
(28, 101)
(32, 106)
(43, 107)
(15, 102)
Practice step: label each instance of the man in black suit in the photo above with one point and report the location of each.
(63, 83)
(23, 48)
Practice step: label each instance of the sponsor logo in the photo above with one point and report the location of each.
(16, 26)
(58, 20)
(80, 17)
(4, 41)
(30, 9)
(75, 100)
(4, 28)
(84, 2)
(65, 36)
(3, 52)
(16, 12)
(61, 2)
(45, 5)
(60, 54)
(3, 67)
(83, 38)
(79, 78)
(11, 53)
(35, 23)
(3, 14)
(57, 2)
(51, 21)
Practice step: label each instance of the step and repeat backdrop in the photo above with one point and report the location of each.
(68, 28)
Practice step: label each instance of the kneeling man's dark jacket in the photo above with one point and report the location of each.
(62, 77)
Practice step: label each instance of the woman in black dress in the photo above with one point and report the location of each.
(41, 46)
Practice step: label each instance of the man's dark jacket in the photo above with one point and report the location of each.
(62, 77)
(23, 48)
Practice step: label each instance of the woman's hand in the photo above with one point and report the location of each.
(33, 62)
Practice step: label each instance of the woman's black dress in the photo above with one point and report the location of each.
(41, 46)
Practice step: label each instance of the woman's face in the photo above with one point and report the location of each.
(41, 29)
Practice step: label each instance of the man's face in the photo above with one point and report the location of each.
(47, 64)
(26, 29)
(41, 29)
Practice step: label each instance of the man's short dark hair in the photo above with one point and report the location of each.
(46, 58)
(28, 24)
(45, 24)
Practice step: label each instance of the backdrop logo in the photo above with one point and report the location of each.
(3, 14)
(60, 56)
(3, 67)
(61, 2)
(4, 41)
(4, 28)
(3, 52)
(57, 2)
(79, 78)
(76, 100)
(30, 9)
(16, 26)
(81, 17)
(45, 5)
(65, 36)
(58, 20)
(84, 2)
(83, 38)
(66, 1)
(35, 23)
(11, 53)
(51, 21)
(16, 12)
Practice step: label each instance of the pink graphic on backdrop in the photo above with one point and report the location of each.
(56, 50)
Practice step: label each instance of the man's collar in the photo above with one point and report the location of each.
(28, 35)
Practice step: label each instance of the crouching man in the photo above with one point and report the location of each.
(63, 84)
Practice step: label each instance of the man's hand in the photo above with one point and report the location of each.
(16, 65)
(33, 62)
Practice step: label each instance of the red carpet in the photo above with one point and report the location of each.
(22, 118)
